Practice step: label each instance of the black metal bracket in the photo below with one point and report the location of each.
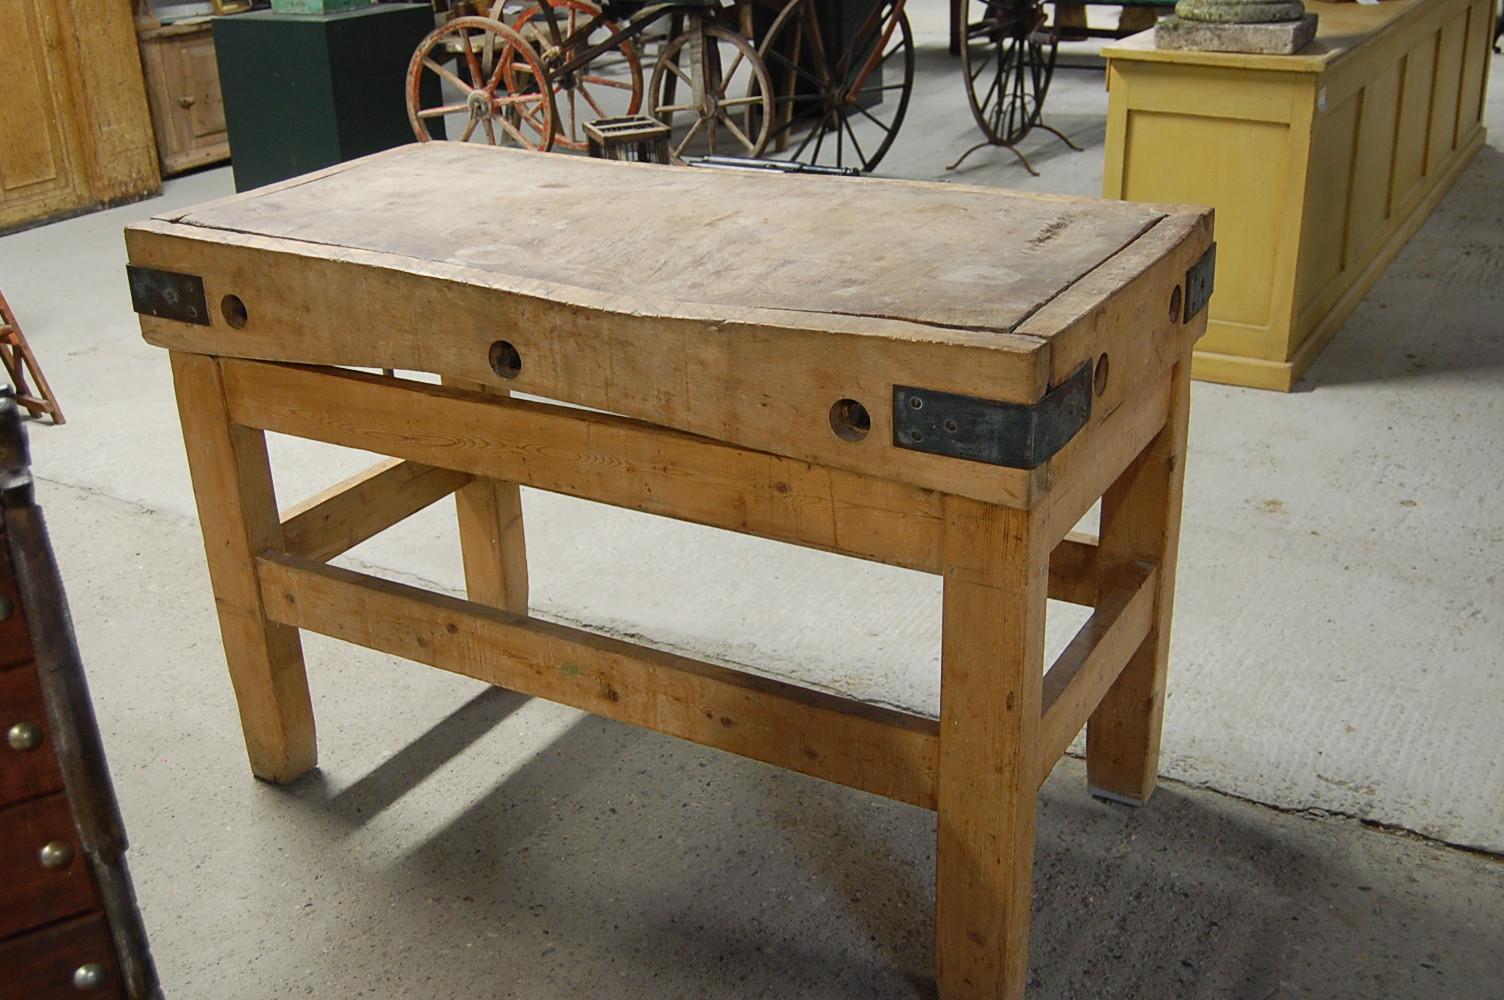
(168, 295)
(1014, 435)
(1198, 283)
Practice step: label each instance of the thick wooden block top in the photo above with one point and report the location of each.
(736, 305)
(949, 257)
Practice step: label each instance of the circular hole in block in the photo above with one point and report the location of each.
(850, 420)
(505, 361)
(1175, 303)
(1099, 376)
(233, 310)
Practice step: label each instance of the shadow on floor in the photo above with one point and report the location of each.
(625, 864)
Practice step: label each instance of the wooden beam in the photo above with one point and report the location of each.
(617, 461)
(1086, 668)
(339, 518)
(875, 749)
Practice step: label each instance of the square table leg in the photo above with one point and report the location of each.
(1141, 521)
(996, 578)
(492, 543)
(237, 509)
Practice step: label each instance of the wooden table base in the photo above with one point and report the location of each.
(1004, 721)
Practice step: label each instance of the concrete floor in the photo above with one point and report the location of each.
(1337, 654)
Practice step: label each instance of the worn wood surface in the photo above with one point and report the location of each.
(875, 749)
(1141, 523)
(237, 511)
(871, 249)
(493, 544)
(991, 666)
(633, 320)
(338, 518)
(1093, 659)
(74, 128)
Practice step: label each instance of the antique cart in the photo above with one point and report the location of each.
(955, 420)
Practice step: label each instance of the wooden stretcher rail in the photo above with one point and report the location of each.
(1087, 667)
(877, 750)
(589, 455)
(349, 512)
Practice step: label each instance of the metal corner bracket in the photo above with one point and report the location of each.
(168, 295)
(1198, 283)
(1013, 435)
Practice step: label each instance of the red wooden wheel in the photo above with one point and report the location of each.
(609, 86)
(474, 99)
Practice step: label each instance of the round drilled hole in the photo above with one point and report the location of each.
(1175, 303)
(951, 426)
(505, 361)
(233, 311)
(1099, 376)
(915, 403)
(850, 420)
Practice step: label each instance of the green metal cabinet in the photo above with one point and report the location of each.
(305, 91)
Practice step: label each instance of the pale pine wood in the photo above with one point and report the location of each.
(1141, 522)
(237, 510)
(631, 321)
(992, 652)
(796, 244)
(1095, 657)
(339, 518)
(619, 462)
(1094, 462)
(875, 749)
(493, 544)
(594, 456)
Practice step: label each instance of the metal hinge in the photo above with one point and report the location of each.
(1198, 283)
(168, 294)
(1015, 435)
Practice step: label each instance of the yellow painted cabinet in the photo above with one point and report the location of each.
(1319, 165)
(74, 131)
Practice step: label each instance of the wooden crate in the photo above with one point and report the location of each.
(932, 376)
(187, 109)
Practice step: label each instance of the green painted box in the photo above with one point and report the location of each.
(318, 6)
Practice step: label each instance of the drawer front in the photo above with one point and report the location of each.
(28, 763)
(45, 875)
(15, 642)
(47, 965)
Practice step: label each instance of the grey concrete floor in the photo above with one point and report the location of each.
(1337, 654)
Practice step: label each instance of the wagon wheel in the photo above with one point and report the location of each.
(843, 111)
(1008, 61)
(712, 90)
(609, 87)
(472, 96)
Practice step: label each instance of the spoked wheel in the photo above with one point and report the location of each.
(472, 99)
(842, 110)
(608, 87)
(1008, 60)
(711, 89)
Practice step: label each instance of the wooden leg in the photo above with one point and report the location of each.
(237, 509)
(996, 576)
(1141, 521)
(492, 542)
